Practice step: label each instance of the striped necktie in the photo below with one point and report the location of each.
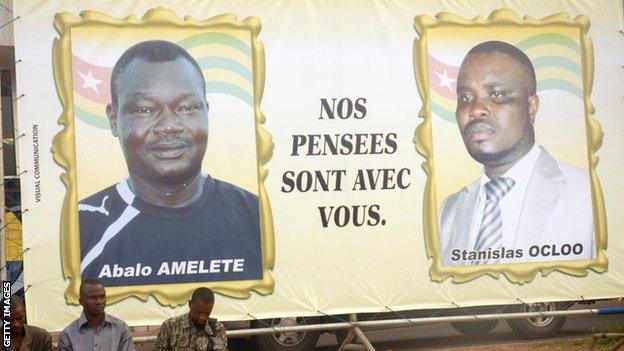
(491, 230)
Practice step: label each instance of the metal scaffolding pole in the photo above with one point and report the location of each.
(6, 112)
(408, 322)
(3, 229)
(355, 334)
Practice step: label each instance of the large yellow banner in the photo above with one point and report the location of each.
(314, 158)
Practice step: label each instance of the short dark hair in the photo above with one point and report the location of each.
(150, 51)
(511, 51)
(89, 281)
(204, 294)
(17, 303)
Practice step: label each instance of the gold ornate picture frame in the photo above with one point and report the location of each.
(243, 82)
(563, 58)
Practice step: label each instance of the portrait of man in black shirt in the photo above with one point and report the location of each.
(168, 222)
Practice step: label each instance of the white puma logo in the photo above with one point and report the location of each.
(101, 208)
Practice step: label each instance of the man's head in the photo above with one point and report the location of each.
(496, 103)
(200, 306)
(92, 297)
(18, 315)
(159, 112)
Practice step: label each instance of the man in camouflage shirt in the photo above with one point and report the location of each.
(193, 331)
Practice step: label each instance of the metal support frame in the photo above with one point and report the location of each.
(3, 239)
(355, 334)
(407, 322)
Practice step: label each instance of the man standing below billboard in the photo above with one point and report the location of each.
(526, 206)
(168, 222)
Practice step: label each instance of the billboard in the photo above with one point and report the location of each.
(318, 158)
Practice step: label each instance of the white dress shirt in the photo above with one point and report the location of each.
(511, 204)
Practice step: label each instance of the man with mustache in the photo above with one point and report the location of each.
(168, 222)
(526, 206)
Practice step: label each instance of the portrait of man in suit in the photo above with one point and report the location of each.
(526, 206)
(168, 221)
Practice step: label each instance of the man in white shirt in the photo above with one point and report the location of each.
(525, 207)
